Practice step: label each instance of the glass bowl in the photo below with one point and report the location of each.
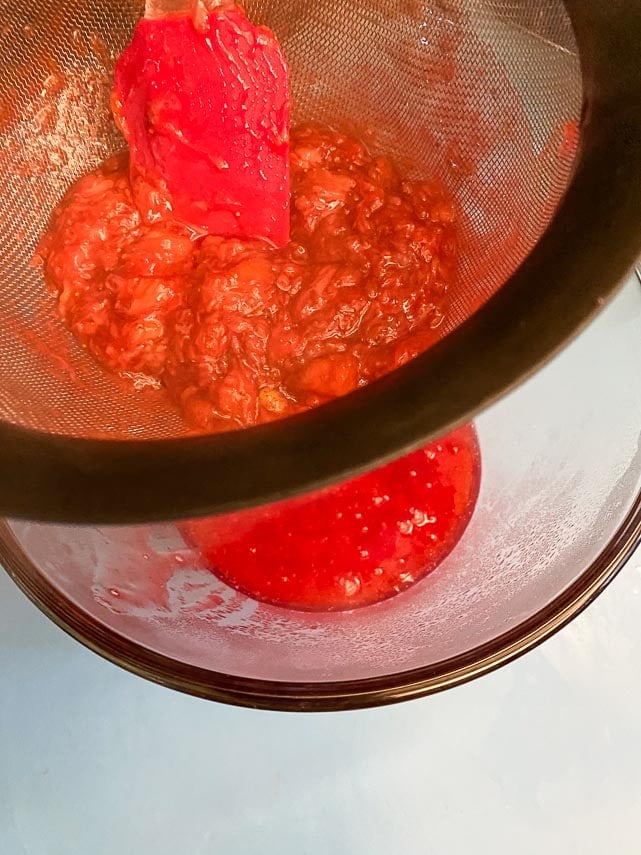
(559, 512)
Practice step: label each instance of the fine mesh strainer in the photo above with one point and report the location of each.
(491, 96)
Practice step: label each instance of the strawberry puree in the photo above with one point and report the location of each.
(240, 332)
(354, 544)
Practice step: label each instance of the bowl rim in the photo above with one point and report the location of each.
(561, 285)
(321, 696)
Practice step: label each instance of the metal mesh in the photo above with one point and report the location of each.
(480, 93)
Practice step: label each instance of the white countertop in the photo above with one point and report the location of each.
(543, 756)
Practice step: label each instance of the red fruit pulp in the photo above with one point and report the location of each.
(353, 544)
(240, 332)
(204, 105)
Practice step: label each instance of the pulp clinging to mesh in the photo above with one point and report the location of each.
(238, 330)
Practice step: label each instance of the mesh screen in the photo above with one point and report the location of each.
(479, 93)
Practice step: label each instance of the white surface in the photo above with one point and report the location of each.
(543, 756)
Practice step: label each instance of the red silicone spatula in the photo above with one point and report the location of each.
(201, 95)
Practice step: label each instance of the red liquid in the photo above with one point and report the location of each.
(204, 106)
(351, 545)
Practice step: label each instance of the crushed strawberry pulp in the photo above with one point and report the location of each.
(240, 332)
